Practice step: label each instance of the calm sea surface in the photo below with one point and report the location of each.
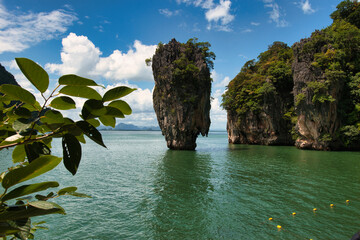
(141, 190)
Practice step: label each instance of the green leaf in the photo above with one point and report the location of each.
(71, 153)
(29, 212)
(74, 80)
(108, 121)
(81, 91)
(37, 167)
(21, 124)
(45, 205)
(6, 229)
(92, 108)
(76, 194)
(81, 138)
(23, 112)
(35, 107)
(93, 122)
(113, 112)
(63, 103)
(36, 74)
(90, 131)
(25, 226)
(29, 189)
(122, 106)
(18, 93)
(18, 154)
(66, 190)
(116, 93)
(53, 116)
(35, 150)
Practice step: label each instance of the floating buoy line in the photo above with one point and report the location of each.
(315, 210)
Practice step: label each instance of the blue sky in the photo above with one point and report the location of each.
(109, 40)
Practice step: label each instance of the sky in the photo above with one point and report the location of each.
(109, 40)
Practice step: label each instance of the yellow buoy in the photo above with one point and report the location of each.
(278, 226)
(347, 201)
(270, 219)
(294, 213)
(314, 209)
(332, 205)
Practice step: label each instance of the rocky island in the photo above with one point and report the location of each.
(182, 91)
(308, 94)
(259, 99)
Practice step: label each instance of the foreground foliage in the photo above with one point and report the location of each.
(29, 127)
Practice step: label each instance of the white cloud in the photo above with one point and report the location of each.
(217, 113)
(276, 15)
(217, 15)
(248, 30)
(166, 12)
(243, 56)
(220, 15)
(255, 23)
(21, 30)
(306, 7)
(219, 80)
(80, 56)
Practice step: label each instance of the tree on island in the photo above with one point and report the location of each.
(29, 127)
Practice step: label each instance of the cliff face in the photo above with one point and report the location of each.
(181, 95)
(326, 88)
(267, 127)
(6, 77)
(259, 100)
(318, 121)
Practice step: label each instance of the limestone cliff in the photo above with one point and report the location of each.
(315, 119)
(325, 73)
(326, 89)
(265, 127)
(181, 95)
(259, 100)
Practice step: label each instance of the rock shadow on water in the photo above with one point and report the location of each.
(182, 188)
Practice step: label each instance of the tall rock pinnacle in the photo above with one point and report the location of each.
(181, 96)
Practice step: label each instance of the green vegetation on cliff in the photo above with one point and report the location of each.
(181, 96)
(335, 55)
(271, 74)
(317, 80)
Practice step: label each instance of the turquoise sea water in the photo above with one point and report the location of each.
(141, 190)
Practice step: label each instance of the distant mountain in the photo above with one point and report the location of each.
(129, 127)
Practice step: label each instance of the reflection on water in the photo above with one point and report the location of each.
(182, 184)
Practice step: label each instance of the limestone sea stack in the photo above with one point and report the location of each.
(181, 95)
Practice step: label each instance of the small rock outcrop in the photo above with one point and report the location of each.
(181, 95)
(259, 100)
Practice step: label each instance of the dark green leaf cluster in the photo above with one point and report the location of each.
(30, 127)
(271, 74)
(348, 10)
